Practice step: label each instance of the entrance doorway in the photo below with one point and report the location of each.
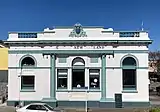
(78, 78)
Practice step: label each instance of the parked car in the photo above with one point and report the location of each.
(38, 107)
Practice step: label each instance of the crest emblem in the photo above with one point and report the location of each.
(78, 31)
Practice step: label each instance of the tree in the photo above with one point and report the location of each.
(154, 61)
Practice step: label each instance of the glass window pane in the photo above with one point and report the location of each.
(94, 78)
(41, 107)
(27, 82)
(94, 81)
(129, 61)
(27, 61)
(62, 78)
(32, 107)
(49, 107)
(129, 78)
(78, 78)
(94, 72)
(62, 71)
(62, 82)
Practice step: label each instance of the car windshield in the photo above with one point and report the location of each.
(49, 107)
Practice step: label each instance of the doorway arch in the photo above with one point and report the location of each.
(78, 73)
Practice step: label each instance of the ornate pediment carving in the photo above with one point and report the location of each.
(78, 31)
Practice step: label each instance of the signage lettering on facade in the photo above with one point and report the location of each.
(81, 47)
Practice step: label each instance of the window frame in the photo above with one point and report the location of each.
(130, 66)
(27, 56)
(45, 109)
(27, 86)
(130, 87)
(63, 76)
(94, 75)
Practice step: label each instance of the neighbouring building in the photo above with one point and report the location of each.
(3, 63)
(69, 65)
(3, 71)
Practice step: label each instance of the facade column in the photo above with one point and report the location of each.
(86, 77)
(103, 78)
(52, 77)
(69, 79)
(51, 100)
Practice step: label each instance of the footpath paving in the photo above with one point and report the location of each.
(4, 108)
(154, 103)
(11, 109)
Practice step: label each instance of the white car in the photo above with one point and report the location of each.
(38, 107)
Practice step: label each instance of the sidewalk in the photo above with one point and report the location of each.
(3, 105)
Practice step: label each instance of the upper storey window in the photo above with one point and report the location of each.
(128, 34)
(28, 61)
(27, 35)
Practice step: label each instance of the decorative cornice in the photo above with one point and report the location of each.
(70, 52)
(79, 41)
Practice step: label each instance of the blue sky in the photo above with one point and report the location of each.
(35, 15)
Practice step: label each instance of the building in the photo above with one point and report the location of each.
(3, 63)
(69, 65)
(3, 71)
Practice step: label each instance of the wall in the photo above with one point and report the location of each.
(114, 78)
(3, 58)
(93, 33)
(42, 78)
(113, 73)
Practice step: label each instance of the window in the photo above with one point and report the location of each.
(129, 73)
(27, 35)
(27, 82)
(62, 60)
(49, 107)
(129, 78)
(94, 78)
(94, 60)
(36, 107)
(41, 107)
(62, 78)
(28, 61)
(32, 107)
(129, 62)
(129, 34)
(78, 73)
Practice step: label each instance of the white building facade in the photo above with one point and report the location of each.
(66, 66)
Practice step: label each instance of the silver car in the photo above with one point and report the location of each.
(38, 107)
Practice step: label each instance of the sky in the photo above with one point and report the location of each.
(35, 15)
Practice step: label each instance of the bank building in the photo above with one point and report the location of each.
(67, 66)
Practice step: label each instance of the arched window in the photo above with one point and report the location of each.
(78, 62)
(129, 73)
(27, 61)
(129, 61)
(78, 73)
